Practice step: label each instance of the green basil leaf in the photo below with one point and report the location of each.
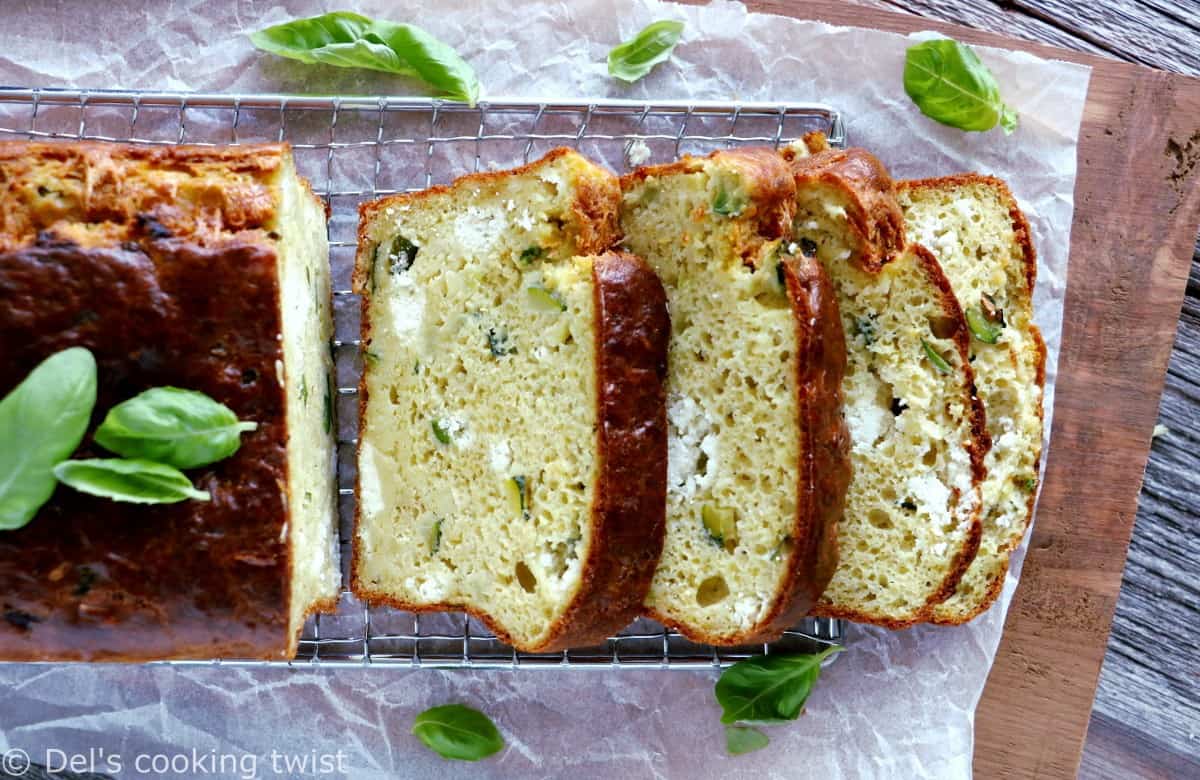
(769, 688)
(458, 732)
(638, 56)
(349, 40)
(42, 421)
(935, 358)
(182, 428)
(949, 83)
(744, 739)
(132, 481)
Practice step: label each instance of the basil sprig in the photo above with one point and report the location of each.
(949, 83)
(181, 428)
(134, 481)
(349, 40)
(458, 732)
(638, 56)
(42, 421)
(769, 688)
(744, 739)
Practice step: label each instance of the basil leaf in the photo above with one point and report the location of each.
(133, 481)
(744, 739)
(935, 358)
(949, 83)
(182, 428)
(349, 40)
(458, 732)
(638, 56)
(42, 421)
(769, 688)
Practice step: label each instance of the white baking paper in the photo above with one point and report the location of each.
(896, 705)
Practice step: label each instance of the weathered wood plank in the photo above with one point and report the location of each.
(1184, 11)
(1130, 29)
(1118, 752)
(1150, 680)
(994, 18)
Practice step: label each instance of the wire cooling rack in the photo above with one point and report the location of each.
(354, 149)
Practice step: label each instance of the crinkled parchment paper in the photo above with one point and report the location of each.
(898, 704)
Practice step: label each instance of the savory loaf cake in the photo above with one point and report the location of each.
(911, 523)
(758, 462)
(982, 241)
(512, 455)
(199, 268)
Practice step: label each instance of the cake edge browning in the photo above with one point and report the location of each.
(595, 208)
(874, 215)
(630, 502)
(1023, 236)
(977, 449)
(629, 506)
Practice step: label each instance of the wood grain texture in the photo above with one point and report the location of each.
(1137, 208)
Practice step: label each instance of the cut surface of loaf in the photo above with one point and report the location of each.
(982, 241)
(911, 523)
(758, 461)
(512, 457)
(204, 268)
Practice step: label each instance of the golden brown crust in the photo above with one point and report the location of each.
(628, 510)
(629, 507)
(161, 261)
(977, 448)
(824, 467)
(595, 208)
(91, 579)
(981, 441)
(100, 194)
(1022, 235)
(872, 213)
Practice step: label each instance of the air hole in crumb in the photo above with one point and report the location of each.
(931, 457)
(898, 406)
(879, 519)
(943, 327)
(526, 578)
(711, 591)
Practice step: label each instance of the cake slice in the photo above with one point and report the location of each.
(758, 464)
(512, 454)
(207, 269)
(911, 524)
(982, 241)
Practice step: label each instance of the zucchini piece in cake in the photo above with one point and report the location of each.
(203, 268)
(512, 456)
(982, 241)
(758, 448)
(912, 524)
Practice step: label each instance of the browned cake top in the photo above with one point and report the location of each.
(150, 259)
(102, 194)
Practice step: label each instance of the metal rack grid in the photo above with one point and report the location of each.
(357, 148)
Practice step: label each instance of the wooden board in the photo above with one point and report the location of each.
(1137, 206)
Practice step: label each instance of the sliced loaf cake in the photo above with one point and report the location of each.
(512, 455)
(982, 241)
(911, 525)
(758, 449)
